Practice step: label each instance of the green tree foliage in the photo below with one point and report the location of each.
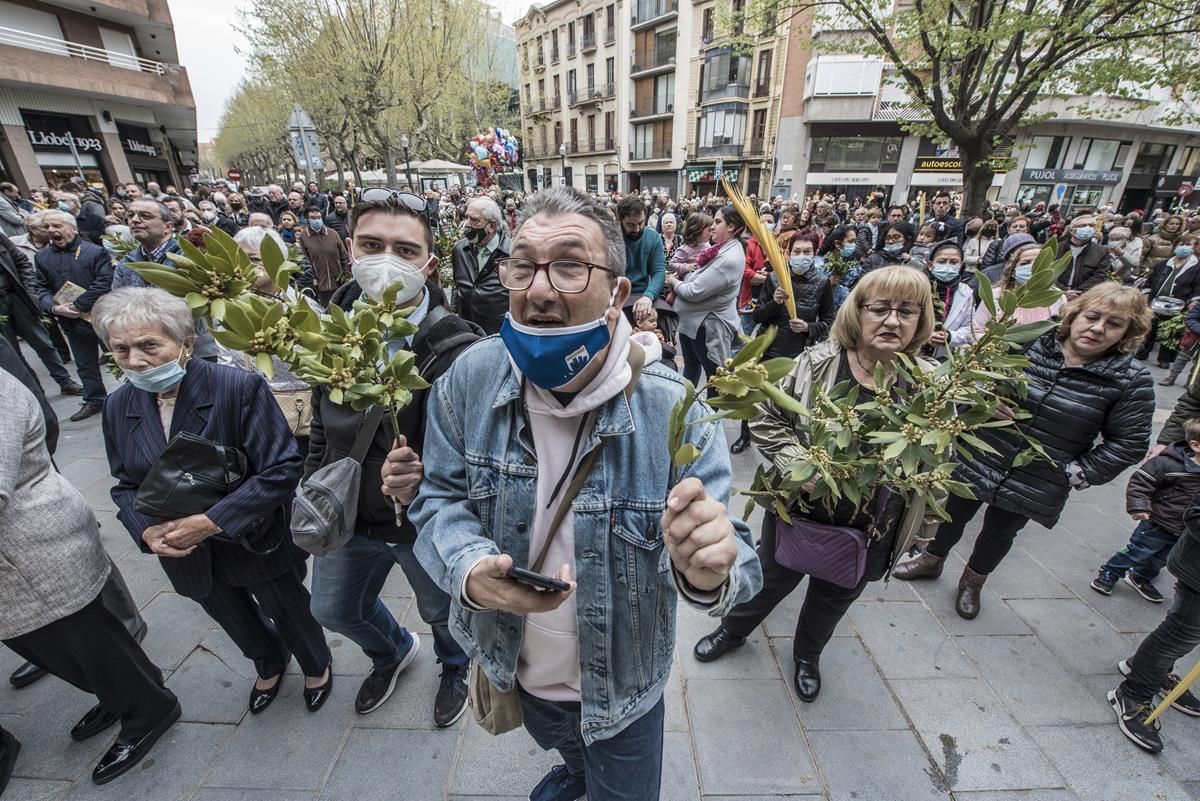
(977, 69)
(369, 71)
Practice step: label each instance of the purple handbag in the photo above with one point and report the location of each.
(837, 554)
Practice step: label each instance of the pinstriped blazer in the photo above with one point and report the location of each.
(233, 407)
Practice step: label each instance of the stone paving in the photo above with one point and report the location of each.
(917, 703)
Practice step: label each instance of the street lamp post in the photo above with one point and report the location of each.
(407, 169)
(562, 155)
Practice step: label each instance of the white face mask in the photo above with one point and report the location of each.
(375, 273)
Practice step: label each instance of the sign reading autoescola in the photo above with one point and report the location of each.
(51, 139)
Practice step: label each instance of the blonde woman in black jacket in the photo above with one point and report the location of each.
(1083, 384)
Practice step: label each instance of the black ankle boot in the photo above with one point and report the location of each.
(743, 440)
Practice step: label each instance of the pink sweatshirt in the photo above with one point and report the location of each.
(548, 662)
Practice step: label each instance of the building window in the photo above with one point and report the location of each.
(762, 81)
(708, 32)
(610, 24)
(1083, 196)
(652, 140)
(1098, 154)
(574, 146)
(1190, 165)
(570, 40)
(554, 46)
(557, 136)
(1047, 152)
(1153, 158)
(1034, 193)
(758, 131)
(609, 130)
(610, 74)
(571, 88)
(855, 154)
(591, 79)
(726, 74)
(722, 129)
(557, 92)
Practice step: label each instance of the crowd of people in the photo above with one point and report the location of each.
(555, 338)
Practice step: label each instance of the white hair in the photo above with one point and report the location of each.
(68, 218)
(132, 306)
(253, 235)
(489, 209)
(218, 198)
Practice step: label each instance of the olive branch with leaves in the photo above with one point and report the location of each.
(856, 441)
(347, 353)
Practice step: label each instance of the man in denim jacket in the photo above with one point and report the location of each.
(506, 428)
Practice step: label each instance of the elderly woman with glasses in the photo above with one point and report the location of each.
(1090, 405)
(236, 559)
(889, 312)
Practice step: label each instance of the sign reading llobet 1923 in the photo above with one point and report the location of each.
(44, 139)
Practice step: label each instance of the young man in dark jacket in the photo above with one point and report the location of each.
(69, 258)
(1148, 673)
(1158, 494)
(388, 241)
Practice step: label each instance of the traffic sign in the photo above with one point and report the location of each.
(234, 175)
(1185, 189)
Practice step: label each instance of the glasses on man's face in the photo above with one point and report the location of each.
(881, 311)
(567, 276)
(410, 199)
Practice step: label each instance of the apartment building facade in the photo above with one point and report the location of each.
(840, 131)
(93, 88)
(642, 94)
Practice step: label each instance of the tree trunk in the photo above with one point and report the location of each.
(977, 176)
(389, 165)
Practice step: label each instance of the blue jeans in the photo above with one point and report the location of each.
(345, 598)
(626, 766)
(1146, 553)
(1175, 637)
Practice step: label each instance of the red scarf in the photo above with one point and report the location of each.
(708, 254)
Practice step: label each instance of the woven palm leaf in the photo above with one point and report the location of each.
(766, 240)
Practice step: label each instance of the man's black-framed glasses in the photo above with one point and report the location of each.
(568, 276)
(410, 199)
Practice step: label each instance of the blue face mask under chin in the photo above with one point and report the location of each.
(553, 357)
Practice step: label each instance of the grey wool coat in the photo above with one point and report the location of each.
(51, 561)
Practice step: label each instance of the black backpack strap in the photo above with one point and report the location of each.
(366, 433)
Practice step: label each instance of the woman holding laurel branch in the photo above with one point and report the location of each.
(1083, 385)
(889, 312)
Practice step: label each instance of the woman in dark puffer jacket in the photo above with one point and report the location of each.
(1083, 382)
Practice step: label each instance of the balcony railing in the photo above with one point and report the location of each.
(540, 63)
(554, 56)
(572, 148)
(61, 47)
(755, 146)
(728, 90)
(602, 91)
(646, 11)
(574, 97)
(557, 102)
(598, 145)
(652, 106)
(653, 57)
(654, 151)
(610, 36)
(587, 42)
(720, 150)
(571, 50)
(762, 90)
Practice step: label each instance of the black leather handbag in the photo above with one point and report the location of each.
(190, 477)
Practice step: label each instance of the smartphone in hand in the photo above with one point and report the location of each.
(537, 580)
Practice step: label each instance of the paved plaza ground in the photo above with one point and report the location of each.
(917, 703)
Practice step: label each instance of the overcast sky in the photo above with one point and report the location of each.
(209, 45)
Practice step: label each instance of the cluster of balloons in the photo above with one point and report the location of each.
(491, 151)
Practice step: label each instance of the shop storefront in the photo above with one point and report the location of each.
(65, 147)
(854, 160)
(1072, 190)
(654, 180)
(146, 162)
(850, 184)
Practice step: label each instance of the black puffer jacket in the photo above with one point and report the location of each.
(1184, 559)
(1111, 397)
(335, 426)
(814, 305)
(1164, 487)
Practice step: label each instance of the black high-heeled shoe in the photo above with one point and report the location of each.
(315, 697)
(261, 699)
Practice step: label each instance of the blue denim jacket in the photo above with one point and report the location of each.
(477, 499)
